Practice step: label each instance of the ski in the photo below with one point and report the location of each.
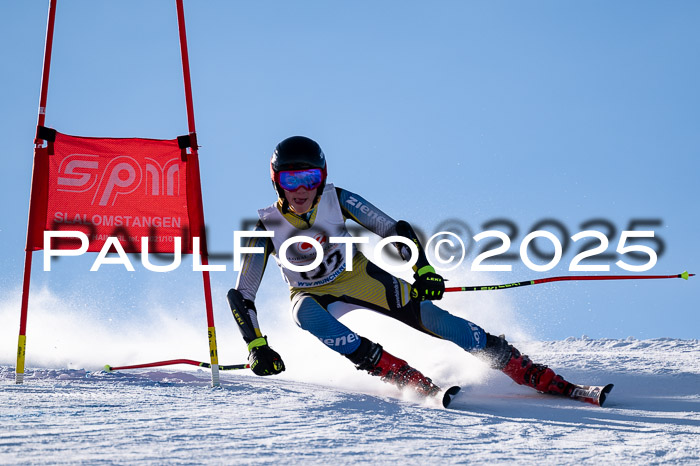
(592, 394)
(449, 394)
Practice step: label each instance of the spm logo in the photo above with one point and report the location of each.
(120, 176)
(304, 248)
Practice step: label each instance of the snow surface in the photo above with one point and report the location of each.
(173, 416)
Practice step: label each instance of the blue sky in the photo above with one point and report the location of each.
(433, 111)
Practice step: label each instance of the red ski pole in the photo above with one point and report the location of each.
(171, 362)
(539, 281)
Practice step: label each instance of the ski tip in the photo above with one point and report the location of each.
(604, 394)
(107, 368)
(449, 395)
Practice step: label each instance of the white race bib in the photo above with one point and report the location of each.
(329, 222)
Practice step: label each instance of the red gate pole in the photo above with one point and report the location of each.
(22, 341)
(213, 351)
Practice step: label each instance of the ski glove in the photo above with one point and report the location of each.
(427, 285)
(264, 360)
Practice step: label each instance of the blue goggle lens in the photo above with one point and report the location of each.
(294, 179)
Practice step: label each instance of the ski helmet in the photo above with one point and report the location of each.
(297, 153)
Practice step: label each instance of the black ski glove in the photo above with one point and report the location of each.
(264, 360)
(427, 285)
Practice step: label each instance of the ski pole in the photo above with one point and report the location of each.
(539, 281)
(171, 362)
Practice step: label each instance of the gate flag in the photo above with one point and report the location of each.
(128, 188)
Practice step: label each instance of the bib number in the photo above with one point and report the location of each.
(332, 262)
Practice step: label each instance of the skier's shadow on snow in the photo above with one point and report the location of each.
(644, 398)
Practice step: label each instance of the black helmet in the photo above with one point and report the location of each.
(297, 153)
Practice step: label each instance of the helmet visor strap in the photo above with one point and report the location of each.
(292, 180)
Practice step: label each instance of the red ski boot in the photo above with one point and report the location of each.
(372, 358)
(543, 379)
(504, 357)
(397, 371)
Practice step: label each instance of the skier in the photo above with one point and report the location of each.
(307, 206)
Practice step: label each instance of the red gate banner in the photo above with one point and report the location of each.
(127, 188)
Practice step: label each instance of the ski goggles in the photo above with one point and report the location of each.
(291, 180)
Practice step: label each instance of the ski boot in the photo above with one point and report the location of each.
(372, 358)
(506, 358)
